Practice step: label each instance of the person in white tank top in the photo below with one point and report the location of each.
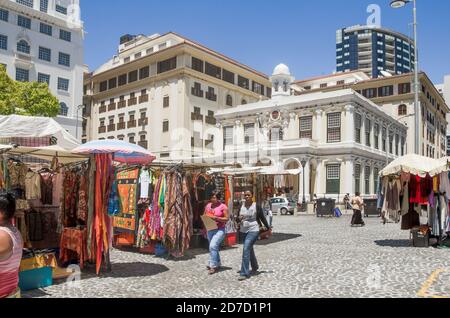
(11, 246)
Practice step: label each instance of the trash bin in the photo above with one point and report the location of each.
(371, 207)
(420, 239)
(325, 207)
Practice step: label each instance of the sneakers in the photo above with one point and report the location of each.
(242, 278)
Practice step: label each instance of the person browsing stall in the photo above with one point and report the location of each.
(251, 216)
(11, 245)
(217, 211)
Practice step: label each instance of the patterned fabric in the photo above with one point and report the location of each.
(69, 203)
(73, 240)
(83, 199)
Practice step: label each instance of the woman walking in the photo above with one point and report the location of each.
(251, 217)
(11, 246)
(219, 213)
(357, 205)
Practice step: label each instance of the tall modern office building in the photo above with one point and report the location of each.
(373, 50)
(42, 40)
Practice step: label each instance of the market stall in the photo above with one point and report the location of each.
(415, 192)
(42, 215)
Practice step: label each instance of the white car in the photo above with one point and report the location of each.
(282, 206)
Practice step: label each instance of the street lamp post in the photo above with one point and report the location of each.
(78, 109)
(303, 162)
(389, 135)
(399, 4)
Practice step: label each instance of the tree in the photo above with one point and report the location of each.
(24, 98)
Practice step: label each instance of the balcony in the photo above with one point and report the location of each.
(210, 120)
(211, 96)
(121, 125)
(143, 121)
(23, 59)
(132, 101)
(101, 129)
(102, 109)
(143, 144)
(122, 104)
(196, 116)
(131, 124)
(198, 143)
(143, 99)
(111, 127)
(112, 107)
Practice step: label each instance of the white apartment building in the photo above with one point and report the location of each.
(42, 40)
(163, 91)
(444, 90)
(336, 134)
(395, 95)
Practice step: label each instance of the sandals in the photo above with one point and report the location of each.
(213, 271)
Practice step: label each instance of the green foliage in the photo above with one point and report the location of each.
(27, 99)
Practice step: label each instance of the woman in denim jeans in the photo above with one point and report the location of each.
(219, 213)
(251, 217)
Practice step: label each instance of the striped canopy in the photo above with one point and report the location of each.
(124, 152)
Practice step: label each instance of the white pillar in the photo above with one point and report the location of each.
(317, 130)
(349, 123)
(363, 129)
(218, 141)
(349, 179)
(294, 127)
(306, 175)
(320, 177)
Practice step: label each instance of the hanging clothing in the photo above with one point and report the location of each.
(32, 186)
(411, 219)
(420, 189)
(433, 221)
(444, 186)
(82, 212)
(58, 180)
(391, 207)
(405, 201)
(144, 180)
(46, 188)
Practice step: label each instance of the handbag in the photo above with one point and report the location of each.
(265, 234)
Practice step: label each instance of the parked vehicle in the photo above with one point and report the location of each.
(283, 206)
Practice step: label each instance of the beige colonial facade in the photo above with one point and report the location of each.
(338, 135)
(162, 92)
(395, 95)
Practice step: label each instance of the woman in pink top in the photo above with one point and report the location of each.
(11, 246)
(219, 213)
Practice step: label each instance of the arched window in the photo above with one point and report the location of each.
(23, 47)
(402, 110)
(63, 109)
(244, 102)
(229, 101)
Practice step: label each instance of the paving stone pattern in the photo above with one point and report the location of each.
(307, 257)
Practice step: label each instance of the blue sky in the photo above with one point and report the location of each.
(263, 33)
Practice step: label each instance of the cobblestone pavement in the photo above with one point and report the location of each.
(307, 257)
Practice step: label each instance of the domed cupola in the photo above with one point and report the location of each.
(281, 81)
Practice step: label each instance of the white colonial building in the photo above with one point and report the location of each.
(336, 134)
(42, 40)
(163, 91)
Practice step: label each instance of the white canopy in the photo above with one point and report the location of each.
(48, 153)
(4, 148)
(414, 164)
(16, 126)
(269, 170)
(443, 166)
(275, 171)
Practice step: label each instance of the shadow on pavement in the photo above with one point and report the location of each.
(125, 270)
(278, 237)
(394, 243)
